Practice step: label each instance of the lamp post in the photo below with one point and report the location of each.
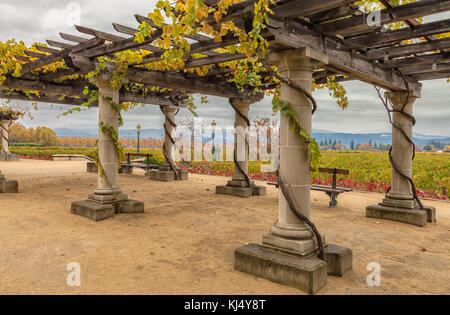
(138, 134)
(213, 150)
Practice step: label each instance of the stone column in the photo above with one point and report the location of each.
(107, 198)
(107, 184)
(289, 232)
(400, 199)
(165, 173)
(288, 253)
(169, 113)
(238, 185)
(5, 136)
(5, 155)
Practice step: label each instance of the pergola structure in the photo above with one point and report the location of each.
(308, 40)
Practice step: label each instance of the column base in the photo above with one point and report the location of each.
(9, 186)
(414, 216)
(9, 157)
(307, 274)
(165, 174)
(239, 188)
(98, 208)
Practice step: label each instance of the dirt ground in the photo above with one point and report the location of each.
(185, 240)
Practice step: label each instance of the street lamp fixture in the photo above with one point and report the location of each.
(139, 135)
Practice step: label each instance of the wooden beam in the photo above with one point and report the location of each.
(193, 63)
(47, 49)
(54, 43)
(406, 50)
(22, 58)
(61, 54)
(395, 14)
(298, 8)
(354, 65)
(52, 99)
(381, 38)
(126, 44)
(417, 61)
(73, 38)
(34, 54)
(73, 95)
(443, 67)
(180, 82)
(335, 13)
(431, 76)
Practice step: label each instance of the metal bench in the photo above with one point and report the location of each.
(127, 167)
(332, 191)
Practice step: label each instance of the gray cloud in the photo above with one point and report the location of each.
(44, 19)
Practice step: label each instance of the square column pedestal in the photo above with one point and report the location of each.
(98, 207)
(8, 186)
(240, 188)
(164, 173)
(400, 210)
(4, 157)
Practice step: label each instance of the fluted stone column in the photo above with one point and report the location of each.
(399, 204)
(288, 254)
(165, 172)
(107, 198)
(238, 185)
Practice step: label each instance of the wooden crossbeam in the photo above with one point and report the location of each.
(131, 31)
(335, 13)
(57, 74)
(73, 38)
(443, 67)
(406, 50)
(22, 58)
(126, 44)
(44, 98)
(353, 65)
(73, 95)
(193, 63)
(34, 54)
(417, 61)
(61, 54)
(197, 37)
(199, 47)
(395, 14)
(57, 44)
(431, 76)
(382, 38)
(47, 49)
(298, 8)
(180, 82)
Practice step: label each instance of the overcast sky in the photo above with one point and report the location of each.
(35, 21)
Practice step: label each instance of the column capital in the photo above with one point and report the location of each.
(398, 98)
(170, 109)
(297, 59)
(239, 102)
(103, 81)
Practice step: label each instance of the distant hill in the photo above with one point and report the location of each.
(386, 138)
(345, 138)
